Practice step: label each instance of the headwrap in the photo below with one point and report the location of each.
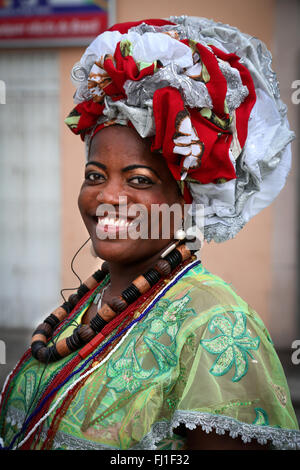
(206, 95)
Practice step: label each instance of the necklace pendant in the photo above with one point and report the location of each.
(96, 299)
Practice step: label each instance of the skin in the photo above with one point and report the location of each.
(107, 177)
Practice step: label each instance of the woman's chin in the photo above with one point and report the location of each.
(126, 251)
(114, 250)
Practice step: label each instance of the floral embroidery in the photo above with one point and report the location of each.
(280, 394)
(232, 345)
(127, 373)
(166, 318)
(164, 355)
(261, 418)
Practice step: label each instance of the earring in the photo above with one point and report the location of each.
(180, 234)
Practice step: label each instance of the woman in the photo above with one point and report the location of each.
(154, 352)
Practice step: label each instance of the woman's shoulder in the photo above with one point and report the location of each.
(202, 279)
(215, 302)
(209, 290)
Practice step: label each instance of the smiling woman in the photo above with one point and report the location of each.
(155, 352)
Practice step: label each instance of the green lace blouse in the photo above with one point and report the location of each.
(200, 357)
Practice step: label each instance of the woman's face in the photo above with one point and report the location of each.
(122, 176)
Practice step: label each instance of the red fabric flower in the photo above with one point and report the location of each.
(83, 117)
(121, 68)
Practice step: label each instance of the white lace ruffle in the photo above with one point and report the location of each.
(280, 439)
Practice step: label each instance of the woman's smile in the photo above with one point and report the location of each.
(111, 225)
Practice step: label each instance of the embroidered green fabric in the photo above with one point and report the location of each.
(201, 357)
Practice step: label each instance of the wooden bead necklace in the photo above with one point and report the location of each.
(84, 334)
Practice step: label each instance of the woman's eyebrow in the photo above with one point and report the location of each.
(126, 168)
(100, 165)
(133, 167)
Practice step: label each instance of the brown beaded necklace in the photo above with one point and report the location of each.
(86, 334)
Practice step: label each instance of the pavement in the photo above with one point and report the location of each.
(17, 340)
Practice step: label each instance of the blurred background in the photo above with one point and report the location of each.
(42, 166)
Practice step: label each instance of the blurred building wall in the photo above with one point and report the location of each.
(30, 196)
(284, 297)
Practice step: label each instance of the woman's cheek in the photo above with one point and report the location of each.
(81, 201)
(86, 196)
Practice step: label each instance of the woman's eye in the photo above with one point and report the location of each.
(141, 180)
(94, 177)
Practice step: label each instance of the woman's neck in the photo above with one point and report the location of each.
(121, 276)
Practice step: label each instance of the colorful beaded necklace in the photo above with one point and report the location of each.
(90, 335)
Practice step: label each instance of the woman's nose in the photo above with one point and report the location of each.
(112, 193)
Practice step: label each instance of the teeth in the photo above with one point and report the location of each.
(112, 221)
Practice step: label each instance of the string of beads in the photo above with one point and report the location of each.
(84, 334)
